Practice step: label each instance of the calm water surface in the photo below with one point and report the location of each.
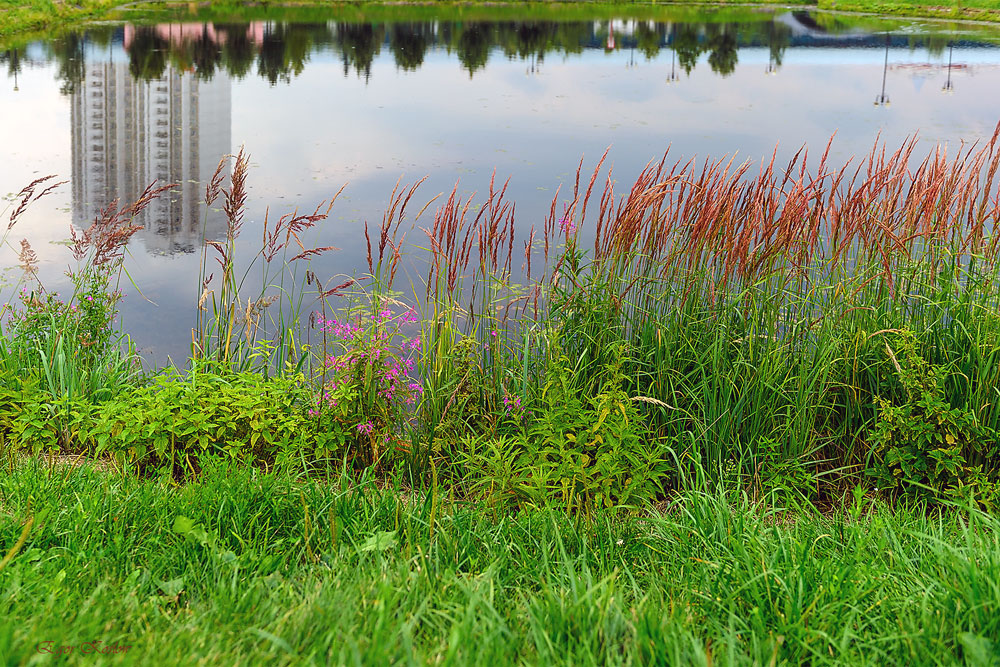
(322, 104)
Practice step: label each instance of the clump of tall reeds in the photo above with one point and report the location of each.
(749, 314)
(73, 348)
(228, 321)
(753, 304)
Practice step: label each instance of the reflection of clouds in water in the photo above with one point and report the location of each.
(581, 112)
(34, 137)
(322, 129)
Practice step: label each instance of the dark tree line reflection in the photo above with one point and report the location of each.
(279, 51)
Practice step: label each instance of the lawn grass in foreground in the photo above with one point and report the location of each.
(244, 567)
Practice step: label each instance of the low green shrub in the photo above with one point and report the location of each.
(575, 451)
(74, 347)
(925, 447)
(368, 382)
(67, 348)
(178, 418)
(781, 475)
(456, 401)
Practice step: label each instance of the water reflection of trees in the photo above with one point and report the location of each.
(687, 45)
(649, 37)
(279, 51)
(205, 56)
(12, 59)
(722, 48)
(778, 38)
(359, 44)
(409, 42)
(472, 44)
(147, 55)
(240, 52)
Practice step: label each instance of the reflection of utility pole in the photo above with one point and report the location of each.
(948, 86)
(15, 65)
(772, 68)
(883, 100)
(672, 77)
(631, 58)
(533, 66)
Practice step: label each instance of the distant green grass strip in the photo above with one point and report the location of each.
(966, 10)
(36, 16)
(41, 15)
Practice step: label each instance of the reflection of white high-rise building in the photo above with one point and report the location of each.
(129, 133)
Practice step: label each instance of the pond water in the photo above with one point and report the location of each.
(343, 99)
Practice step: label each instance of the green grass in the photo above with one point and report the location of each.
(970, 10)
(38, 15)
(240, 567)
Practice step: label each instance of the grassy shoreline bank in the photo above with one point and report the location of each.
(20, 18)
(608, 449)
(722, 323)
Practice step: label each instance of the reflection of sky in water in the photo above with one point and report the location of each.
(322, 129)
